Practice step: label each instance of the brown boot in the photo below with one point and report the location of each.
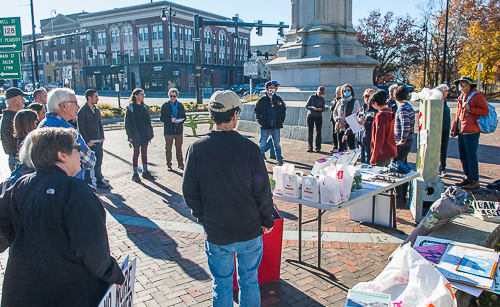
(462, 183)
(473, 185)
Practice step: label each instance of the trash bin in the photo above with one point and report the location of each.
(269, 268)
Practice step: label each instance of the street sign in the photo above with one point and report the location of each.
(10, 34)
(250, 68)
(68, 72)
(480, 66)
(82, 72)
(10, 65)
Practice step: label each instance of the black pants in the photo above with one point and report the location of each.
(403, 151)
(334, 136)
(351, 141)
(311, 121)
(445, 137)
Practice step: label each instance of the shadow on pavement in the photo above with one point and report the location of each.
(150, 238)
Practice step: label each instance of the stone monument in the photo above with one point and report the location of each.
(321, 49)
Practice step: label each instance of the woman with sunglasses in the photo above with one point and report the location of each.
(173, 116)
(139, 132)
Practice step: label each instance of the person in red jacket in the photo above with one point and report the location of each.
(383, 144)
(470, 107)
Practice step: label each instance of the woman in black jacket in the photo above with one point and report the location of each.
(173, 116)
(139, 131)
(315, 107)
(60, 253)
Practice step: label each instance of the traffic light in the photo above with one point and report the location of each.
(106, 52)
(266, 55)
(259, 28)
(92, 35)
(280, 30)
(91, 52)
(249, 55)
(71, 40)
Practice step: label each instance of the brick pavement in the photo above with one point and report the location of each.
(151, 222)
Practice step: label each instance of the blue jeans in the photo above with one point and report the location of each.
(97, 149)
(221, 264)
(270, 147)
(366, 155)
(275, 134)
(467, 150)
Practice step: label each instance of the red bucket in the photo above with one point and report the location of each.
(269, 268)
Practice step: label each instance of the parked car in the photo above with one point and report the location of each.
(385, 87)
(6, 85)
(254, 91)
(260, 86)
(3, 105)
(53, 85)
(28, 87)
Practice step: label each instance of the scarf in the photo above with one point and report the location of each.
(174, 108)
(344, 102)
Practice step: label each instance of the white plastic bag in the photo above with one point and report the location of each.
(328, 187)
(345, 176)
(412, 281)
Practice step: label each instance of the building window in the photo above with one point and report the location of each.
(222, 58)
(99, 39)
(73, 54)
(141, 55)
(146, 52)
(46, 43)
(208, 57)
(181, 54)
(189, 35)
(63, 41)
(176, 54)
(101, 59)
(47, 57)
(140, 31)
(130, 35)
(104, 38)
(55, 56)
(155, 54)
(222, 38)
(154, 29)
(125, 35)
(174, 32)
(131, 56)
(113, 58)
(191, 60)
(146, 36)
(162, 56)
(180, 34)
(208, 35)
(157, 79)
(64, 57)
(215, 57)
(112, 37)
(160, 31)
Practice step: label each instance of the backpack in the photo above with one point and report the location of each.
(488, 123)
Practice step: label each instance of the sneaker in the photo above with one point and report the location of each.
(148, 175)
(462, 183)
(273, 157)
(102, 185)
(280, 163)
(309, 150)
(181, 167)
(169, 168)
(471, 186)
(136, 178)
(443, 174)
(334, 150)
(318, 149)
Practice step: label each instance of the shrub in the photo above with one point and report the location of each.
(194, 107)
(154, 109)
(246, 98)
(104, 106)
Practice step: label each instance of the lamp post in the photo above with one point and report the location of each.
(52, 21)
(163, 17)
(445, 41)
(425, 51)
(36, 77)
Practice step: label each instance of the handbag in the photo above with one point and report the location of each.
(7, 234)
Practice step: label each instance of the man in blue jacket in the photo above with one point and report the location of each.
(270, 112)
(63, 107)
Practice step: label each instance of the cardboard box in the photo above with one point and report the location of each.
(292, 185)
(310, 188)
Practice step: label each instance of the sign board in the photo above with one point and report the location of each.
(94, 52)
(82, 72)
(125, 295)
(115, 55)
(480, 66)
(67, 72)
(10, 34)
(250, 68)
(10, 65)
(176, 72)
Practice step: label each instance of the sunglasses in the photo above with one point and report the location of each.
(77, 147)
(173, 96)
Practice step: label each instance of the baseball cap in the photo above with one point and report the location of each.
(275, 83)
(222, 101)
(269, 83)
(13, 92)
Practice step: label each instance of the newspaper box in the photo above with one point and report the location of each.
(269, 268)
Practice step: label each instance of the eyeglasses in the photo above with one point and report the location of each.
(173, 96)
(69, 101)
(77, 147)
(366, 96)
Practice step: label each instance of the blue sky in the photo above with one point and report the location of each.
(279, 10)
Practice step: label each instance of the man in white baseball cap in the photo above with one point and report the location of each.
(226, 185)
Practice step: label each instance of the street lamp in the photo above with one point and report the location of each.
(52, 20)
(445, 41)
(425, 51)
(163, 17)
(36, 79)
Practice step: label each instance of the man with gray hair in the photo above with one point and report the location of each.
(15, 102)
(63, 107)
(392, 103)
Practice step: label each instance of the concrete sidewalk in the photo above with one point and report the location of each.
(150, 221)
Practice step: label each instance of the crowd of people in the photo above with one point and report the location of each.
(65, 228)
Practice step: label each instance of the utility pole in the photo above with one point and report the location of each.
(445, 42)
(35, 76)
(425, 51)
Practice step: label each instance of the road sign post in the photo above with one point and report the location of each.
(10, 65)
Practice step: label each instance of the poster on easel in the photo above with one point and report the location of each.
(124, 295)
